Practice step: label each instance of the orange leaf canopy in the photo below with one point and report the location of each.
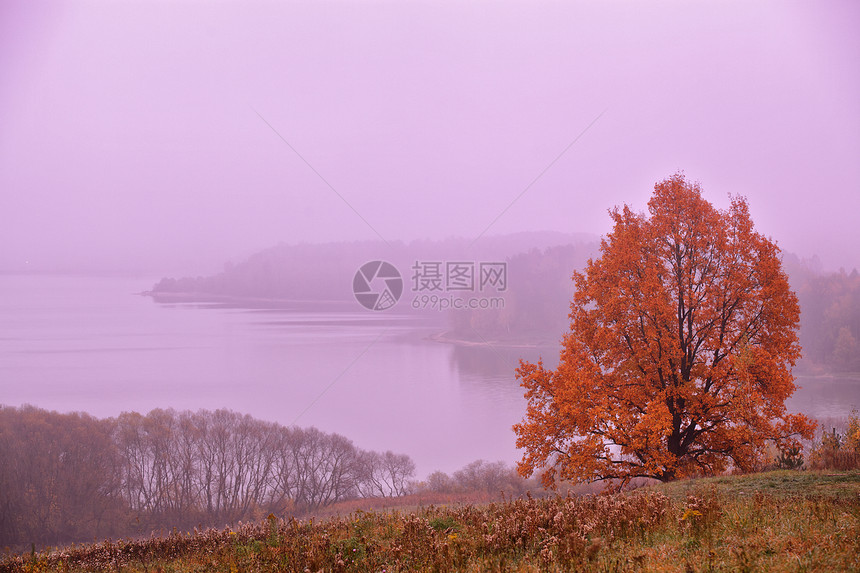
(679, 356)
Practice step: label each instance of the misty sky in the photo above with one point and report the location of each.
(136, 135)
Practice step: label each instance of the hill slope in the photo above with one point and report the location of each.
(776, 521)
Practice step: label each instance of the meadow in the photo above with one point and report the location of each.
(785, 520)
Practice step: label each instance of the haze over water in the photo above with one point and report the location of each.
(91, 344)
(148, 138)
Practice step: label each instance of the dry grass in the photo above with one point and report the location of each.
(778, 521)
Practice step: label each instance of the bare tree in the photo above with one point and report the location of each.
(385, 474)
(326, 469)
(491, 477)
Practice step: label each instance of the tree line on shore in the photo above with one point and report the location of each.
(537, 298)
(541, 289)
(74, 477)
(830, 316)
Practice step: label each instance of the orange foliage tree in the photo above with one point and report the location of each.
(678, 360)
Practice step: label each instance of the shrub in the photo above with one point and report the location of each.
(836, 450)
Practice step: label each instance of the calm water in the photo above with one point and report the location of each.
(75, 343)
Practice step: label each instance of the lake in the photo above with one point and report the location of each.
(91, 344)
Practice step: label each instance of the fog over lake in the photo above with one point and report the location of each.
(91, 344)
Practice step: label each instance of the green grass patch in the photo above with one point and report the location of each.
(781, 483)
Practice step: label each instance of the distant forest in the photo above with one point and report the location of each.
(539, 301)
(324, 272)
(830, 314)
(537, 297)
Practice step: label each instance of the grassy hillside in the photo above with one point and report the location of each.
(776, 521)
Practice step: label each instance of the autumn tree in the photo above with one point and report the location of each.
(679, 355)
(57, 477)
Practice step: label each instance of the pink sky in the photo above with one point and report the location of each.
(130, 136)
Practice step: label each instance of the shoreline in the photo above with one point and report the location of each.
(203, 297)
(448, 337)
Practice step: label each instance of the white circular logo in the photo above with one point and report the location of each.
(377, 285)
